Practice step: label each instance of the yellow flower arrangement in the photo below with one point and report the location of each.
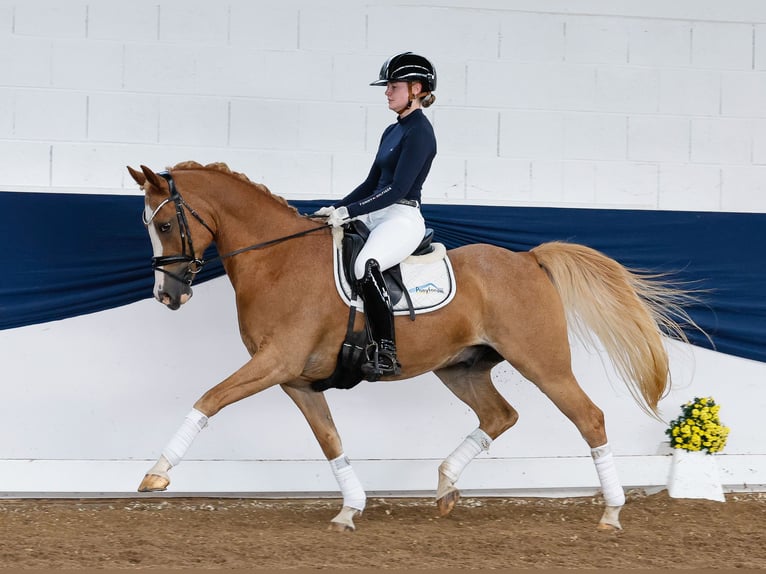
(698, 428)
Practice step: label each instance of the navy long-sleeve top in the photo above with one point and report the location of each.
(406, 151)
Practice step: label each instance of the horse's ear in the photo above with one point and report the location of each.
(137, 176)
(151, 177)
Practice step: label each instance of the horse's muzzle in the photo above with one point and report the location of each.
(171, 292)
(174, 301)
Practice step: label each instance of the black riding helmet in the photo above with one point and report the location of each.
(407, 67)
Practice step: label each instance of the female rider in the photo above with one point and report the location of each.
(388, 201)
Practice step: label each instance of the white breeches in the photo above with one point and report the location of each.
(395, 232)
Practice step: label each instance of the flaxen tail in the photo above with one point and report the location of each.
(628, 313)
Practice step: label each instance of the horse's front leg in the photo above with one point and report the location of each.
(314, 407)
(157, 478)
(261, 372)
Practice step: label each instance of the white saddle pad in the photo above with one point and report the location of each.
(429, 280)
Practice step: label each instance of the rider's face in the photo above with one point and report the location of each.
(396, 93)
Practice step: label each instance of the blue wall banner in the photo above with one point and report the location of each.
(65, 255)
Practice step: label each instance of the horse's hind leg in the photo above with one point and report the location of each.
(317, 413)
(535, 341)
(571, 400)
(545, 359)
(472, 384)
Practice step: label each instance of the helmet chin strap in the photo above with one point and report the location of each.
(410, 98)
(400, 111)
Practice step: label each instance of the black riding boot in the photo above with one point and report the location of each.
(381, 354)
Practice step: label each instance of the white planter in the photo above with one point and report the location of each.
(694, 475)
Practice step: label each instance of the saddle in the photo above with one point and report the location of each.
(355, 234)
(352, 354)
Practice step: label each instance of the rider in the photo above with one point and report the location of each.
(388, 201)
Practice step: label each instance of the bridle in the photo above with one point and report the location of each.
(194, 264)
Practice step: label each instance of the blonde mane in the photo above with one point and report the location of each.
(225, 169)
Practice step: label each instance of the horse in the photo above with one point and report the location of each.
(509, 306)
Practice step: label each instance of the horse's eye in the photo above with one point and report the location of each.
(165, 227)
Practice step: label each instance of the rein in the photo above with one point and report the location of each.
(194, 264)
(268, 243)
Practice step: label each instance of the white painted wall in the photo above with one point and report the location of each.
(637, 104)
(587, 103)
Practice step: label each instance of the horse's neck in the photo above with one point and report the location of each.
(245, 216)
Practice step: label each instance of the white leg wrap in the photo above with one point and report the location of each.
(474, 443)
(194, 422)
(160, 468)
(353, 493)
(607, 475)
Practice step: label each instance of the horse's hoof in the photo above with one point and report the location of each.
(447, 502)
(340, 527)
(344, 521)
(154, 483)
(610, 520)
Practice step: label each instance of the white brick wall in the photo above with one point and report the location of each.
(684, 184)
(722, 46)
(264, 25)
(658, 139)
(659, 43)
(760, 47)
(545, 102)
(25, 163)
(721, 140)
(689, 92)
(530, 37)
(194, 121)
(743, 94)
(51, 19)
(137, 118)
(24, 61)
(87, 65)
(595, 136)
(532, 134)
(596, 40)
(135, 21)
(47, 115)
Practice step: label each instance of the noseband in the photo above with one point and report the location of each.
(194, 264)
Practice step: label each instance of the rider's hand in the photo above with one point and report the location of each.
(338, 217)
(323, 211)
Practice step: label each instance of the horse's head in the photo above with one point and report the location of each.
(176, 258)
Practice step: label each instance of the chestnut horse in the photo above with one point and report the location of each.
(508, 306)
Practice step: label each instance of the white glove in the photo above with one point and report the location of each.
(338, 217)
(324, 211)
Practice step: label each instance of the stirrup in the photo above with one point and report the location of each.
(382, 363)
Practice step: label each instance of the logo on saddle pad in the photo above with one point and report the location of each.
(427, 288)
(428, 279)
